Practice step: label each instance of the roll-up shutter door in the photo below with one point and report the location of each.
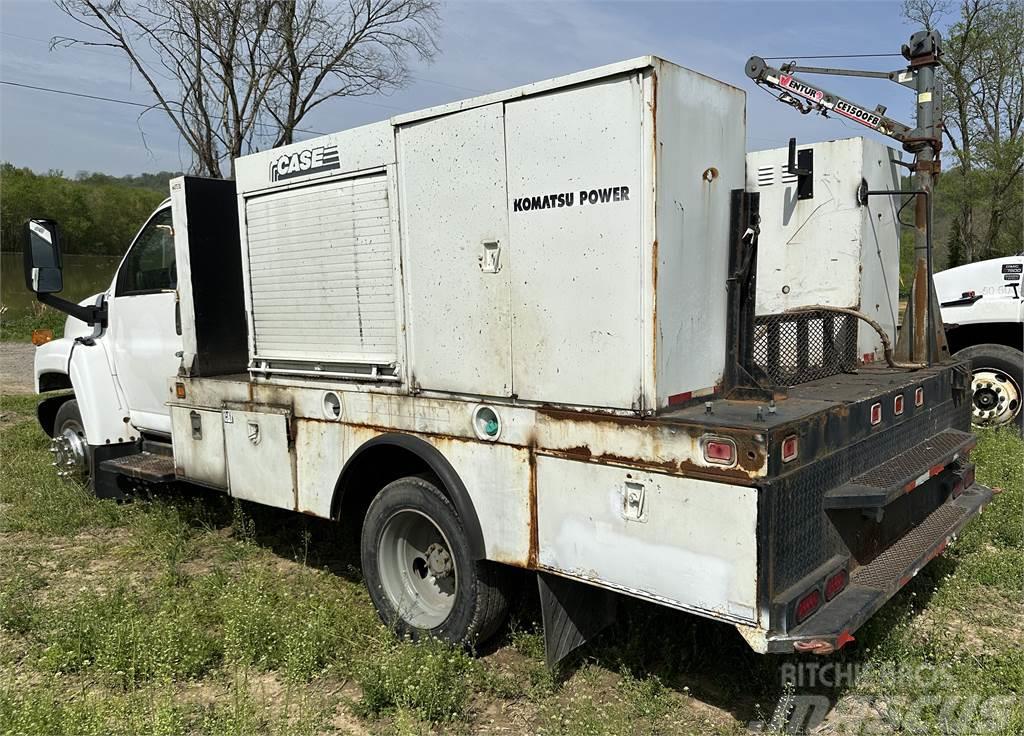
(322, 273)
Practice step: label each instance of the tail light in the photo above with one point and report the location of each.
(790, 448)
(719, 450)
(876, 413)
(835, 584)
(808, 605)
(919, 396)
(897, 405)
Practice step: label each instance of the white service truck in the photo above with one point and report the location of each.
(519, 331)
(983, 310)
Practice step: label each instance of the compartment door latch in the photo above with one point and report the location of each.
(634, 501)
(490, 256)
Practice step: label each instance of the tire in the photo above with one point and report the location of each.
(997, 380)
(419, 571)
(72, 455)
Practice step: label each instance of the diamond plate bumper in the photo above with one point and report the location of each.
(873, 584)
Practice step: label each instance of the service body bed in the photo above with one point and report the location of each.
(631, 504)
(533, 293)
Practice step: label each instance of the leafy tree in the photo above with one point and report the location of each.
(98, 214)
(983, 102)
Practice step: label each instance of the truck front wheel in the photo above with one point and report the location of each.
(419, 571)
(997, 375)
(69, 447)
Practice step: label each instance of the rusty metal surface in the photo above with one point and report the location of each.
(886, 570)
(908, 465)
(802, 536)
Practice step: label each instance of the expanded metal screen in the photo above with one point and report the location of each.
(804, 346)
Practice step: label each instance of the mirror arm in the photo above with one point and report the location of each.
(91, 315)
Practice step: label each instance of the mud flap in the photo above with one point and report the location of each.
(573, 613)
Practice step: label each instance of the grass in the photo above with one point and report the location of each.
(186, 613)
(17, 326)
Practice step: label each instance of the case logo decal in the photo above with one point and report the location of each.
(302, 163)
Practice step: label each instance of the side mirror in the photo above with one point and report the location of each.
(41, 251)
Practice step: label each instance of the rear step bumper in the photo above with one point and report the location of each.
(872, 585)
(880, 486)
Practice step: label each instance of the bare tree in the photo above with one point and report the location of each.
(983, 99)
(234, 76)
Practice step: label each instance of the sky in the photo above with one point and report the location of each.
(485, 46)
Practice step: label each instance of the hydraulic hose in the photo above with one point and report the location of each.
(886, 343)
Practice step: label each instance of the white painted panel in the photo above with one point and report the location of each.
(497, 478)
(830, 249)
(692, 543)
(452, 184)
(321, 273)
(576, 267)
(700, 159)
(321, 449)
(260, 466)
(199, 458)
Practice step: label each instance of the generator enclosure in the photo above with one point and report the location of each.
(829, 248)
(563, 243)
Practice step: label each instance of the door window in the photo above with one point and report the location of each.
(149, 266)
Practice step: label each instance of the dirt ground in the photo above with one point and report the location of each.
(16, 367)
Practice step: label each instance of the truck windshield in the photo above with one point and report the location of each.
(150, 266)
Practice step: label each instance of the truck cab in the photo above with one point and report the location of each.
(118, 365)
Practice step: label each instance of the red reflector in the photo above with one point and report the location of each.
(790, 448)
(835, 584)
(808, 605)
(720, 451)
(897, 405)
(919, 396)
(876, 413)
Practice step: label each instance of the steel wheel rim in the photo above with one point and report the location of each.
(417, 569)
(69, 451)
(996, 398)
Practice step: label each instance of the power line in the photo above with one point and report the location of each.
(828, 56)
(131, 102)
(114, 54)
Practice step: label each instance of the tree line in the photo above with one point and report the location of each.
(98, 214)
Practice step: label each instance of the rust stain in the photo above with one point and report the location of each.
(654, 244)
(532, 555)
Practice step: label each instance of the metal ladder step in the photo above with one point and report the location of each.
(884, 483)
(147, 466)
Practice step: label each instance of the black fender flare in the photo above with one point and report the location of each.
(452, 484)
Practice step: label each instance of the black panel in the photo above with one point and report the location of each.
(215, 257)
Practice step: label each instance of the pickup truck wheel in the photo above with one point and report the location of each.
(997, 375)
(71, 455)
(419, 571)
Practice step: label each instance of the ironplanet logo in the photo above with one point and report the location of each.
(804, 90)
(301, 163)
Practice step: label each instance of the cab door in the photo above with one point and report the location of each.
(142, 328)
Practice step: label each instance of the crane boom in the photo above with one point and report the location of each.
(815, 98)
(921, 337)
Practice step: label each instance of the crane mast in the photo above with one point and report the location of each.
(921, 337)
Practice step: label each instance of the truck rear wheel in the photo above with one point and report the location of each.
(419, 571)
(70, 449)
(997, 376)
